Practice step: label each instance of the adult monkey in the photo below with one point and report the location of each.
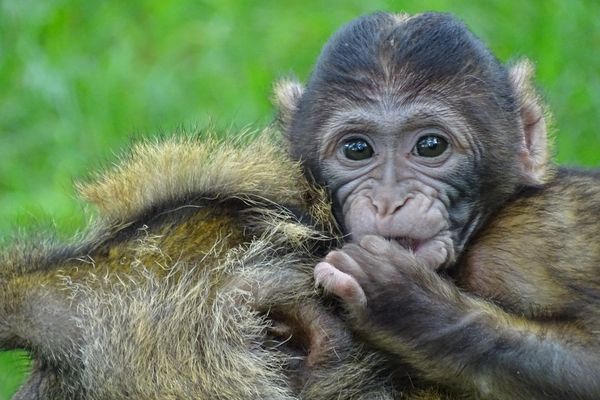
(471, 256)
(194, 282)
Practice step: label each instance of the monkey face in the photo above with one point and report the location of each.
(419, 138)
(398, 174)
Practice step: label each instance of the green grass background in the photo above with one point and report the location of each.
(78, 79)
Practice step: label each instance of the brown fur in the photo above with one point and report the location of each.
(561, 268)
(514, 312)
(194, 282)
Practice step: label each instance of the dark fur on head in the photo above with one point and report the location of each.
(428, 56)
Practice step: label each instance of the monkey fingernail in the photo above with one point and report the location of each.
(338, 283)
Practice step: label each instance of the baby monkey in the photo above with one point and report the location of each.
(470, 256)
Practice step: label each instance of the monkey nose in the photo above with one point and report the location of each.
(387, 206)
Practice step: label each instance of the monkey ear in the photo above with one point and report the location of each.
(286, 95)
(535, 152)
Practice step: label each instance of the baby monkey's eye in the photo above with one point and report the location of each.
(431, 146)
(357, 149)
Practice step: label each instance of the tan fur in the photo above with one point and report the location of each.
(286, 93)
(196, 282)
(180, 166)
(401, 17)
(518, 264)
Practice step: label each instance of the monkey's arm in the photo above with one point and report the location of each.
(453, 337)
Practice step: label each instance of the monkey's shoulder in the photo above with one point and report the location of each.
(570, 199)
(568, 202)
(187, 198)
(541, 247)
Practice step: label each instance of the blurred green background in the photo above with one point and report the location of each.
(78, 79)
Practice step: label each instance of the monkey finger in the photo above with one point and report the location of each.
(432, 254)
(346, 263)
(390, 249)
(377, 245)
(340, 284)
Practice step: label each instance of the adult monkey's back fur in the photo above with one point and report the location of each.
(195, 282)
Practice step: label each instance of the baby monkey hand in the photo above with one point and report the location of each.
(362, 275)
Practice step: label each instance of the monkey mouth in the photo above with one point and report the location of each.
(408, 243)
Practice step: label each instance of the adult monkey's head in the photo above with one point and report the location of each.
(419, 132)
